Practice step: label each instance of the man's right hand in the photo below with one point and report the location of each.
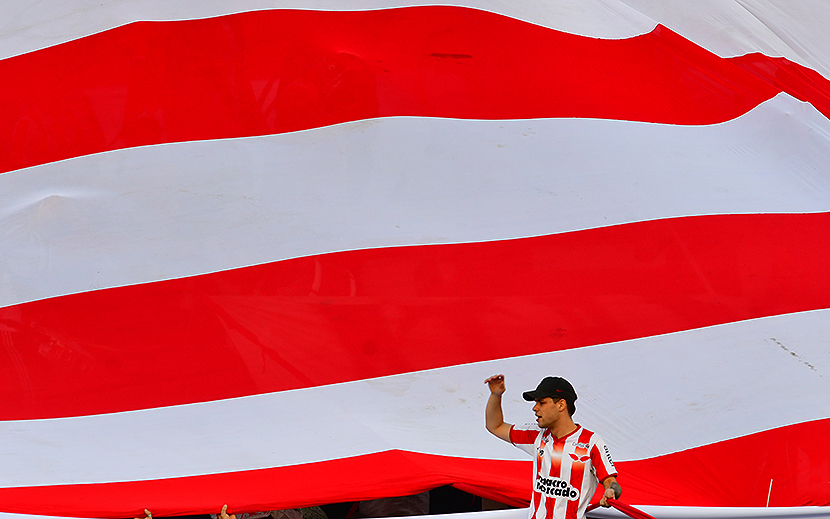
(496, 383)
(493, 417)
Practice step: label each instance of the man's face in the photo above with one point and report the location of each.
(547, 411)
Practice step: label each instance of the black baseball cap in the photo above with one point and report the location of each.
(556, 387)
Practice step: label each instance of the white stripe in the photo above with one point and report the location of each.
(168, 211)
(795, 30)
(732, 375)
(50, 22)
(714, 512)
(663, 512)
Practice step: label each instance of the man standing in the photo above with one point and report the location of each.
(568, 460)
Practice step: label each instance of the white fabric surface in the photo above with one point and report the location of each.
(188, 208)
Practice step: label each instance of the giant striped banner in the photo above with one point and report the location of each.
(265, 254)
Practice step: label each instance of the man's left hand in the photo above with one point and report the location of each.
(609, 494)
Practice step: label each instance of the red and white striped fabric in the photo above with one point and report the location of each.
(261, 252)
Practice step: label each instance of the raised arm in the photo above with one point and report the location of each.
(493, 416)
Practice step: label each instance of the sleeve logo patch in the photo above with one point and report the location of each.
(608, 457)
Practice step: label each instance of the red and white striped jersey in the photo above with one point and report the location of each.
(566, 470)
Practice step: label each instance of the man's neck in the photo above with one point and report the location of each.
(563, 427)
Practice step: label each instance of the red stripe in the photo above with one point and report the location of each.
(268, 72)
(738, 472)
(577, 474)
(554, 472)
(537, 499)
(413, 308)
(798, 81)
(337, 481)
(730, 473)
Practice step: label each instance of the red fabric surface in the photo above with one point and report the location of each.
(275, 71)
(410, 308)
(351, 479)
(737, 472)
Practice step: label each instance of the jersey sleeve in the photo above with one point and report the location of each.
(524, 436)
(601, 459)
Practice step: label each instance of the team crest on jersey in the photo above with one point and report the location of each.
(556, 487)
(581, 459)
